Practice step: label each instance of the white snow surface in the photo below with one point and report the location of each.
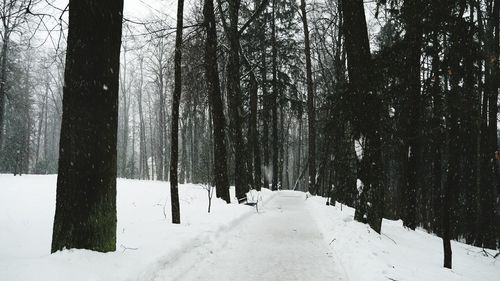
(146, 240)
(398, 253)
(282, 242)
(291, 237)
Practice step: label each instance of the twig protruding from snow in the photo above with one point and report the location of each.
(127, 248)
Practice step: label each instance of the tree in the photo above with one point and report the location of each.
(274, 99)
(216, 105)
(310, 103)
(12, 13)
(235, 104)
(85, 214)
(174, 156)
(412, 136)
(365, 107)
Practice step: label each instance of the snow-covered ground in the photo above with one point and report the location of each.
(291, 238)
(283, 242)
(146, 240)
(398, 254)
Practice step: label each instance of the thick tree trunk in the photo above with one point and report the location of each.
(85, 214)
(366, 110)
(216, 105)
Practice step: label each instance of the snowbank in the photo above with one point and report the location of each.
(146, 240)
(398, 254)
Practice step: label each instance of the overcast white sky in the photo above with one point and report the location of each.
(133, 8)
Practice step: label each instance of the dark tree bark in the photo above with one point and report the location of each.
(176, 99)
(235, 102)
(453, 177)
(490, 173)
(265, 116)
(274, 100)
(85, 214)
(411, 111)
(215, 100)
(311, 112)
(366, 110)
(437, 134)
(253, 132)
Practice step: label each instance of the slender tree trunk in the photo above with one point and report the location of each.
(254, 132)
(274, 101)
(45, 136)
(144, 170)
(152, 144)
(488, 224)
(437, 134)
(311, 112)
(265, 118)
(176, 99)
(40, 125)
(3, 81)
(125, 117)
(161, 130)
(85, 215)
(132, 157)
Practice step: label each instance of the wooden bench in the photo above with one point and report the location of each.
(251, 200)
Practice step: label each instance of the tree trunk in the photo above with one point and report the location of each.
(265, 118)
(144, 170)
(125, 120)
(85, 215)
(311, 112)
(254, 144)
(235, 102)
(3, 82)
(366, 108)
(412, 135)
(274, 101)
(216, 105)
(176, 100)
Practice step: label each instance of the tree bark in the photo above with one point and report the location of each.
(85, 214)
(274, 101)
(216, 105)
(311, 112)
(235, 102)
(412, 130)
(176, 100)
(3, 81)
(365, 107)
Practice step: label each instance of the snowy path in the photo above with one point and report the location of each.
(282, 242)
